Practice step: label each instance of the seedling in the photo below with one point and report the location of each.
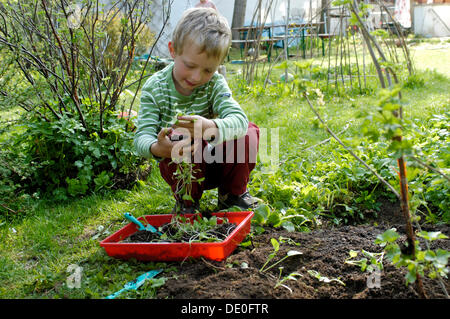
(370, 262)
(185, 172)
(276, 247)
(288, 240)
(432, 262)
(324, 279)
(291, 276)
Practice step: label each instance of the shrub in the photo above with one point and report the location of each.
(68, 75)
(62, 158)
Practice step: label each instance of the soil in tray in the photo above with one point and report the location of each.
(219, 233)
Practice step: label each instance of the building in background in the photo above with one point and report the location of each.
(431, 18)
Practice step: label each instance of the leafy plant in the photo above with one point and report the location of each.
(430, 262)
(68, 73)
(369, 262)
(185, 174)
(58, 158)
(324, 279)
(265, 217)
(291, 276)
(276, 248)
(186, 171)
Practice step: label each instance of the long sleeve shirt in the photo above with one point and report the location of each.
(161, 103)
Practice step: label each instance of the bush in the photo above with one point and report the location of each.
(61, 158)
(68, 78)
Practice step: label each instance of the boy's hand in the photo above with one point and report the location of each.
(167, 148)
(197, 126)
(163, 147)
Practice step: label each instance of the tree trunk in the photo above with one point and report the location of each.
(238, 18)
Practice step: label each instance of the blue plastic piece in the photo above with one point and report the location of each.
(135, 284)
(149, 227)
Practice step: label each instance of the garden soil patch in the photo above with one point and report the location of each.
(323, 250)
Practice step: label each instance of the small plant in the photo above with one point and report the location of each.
(432, 262)
(291, 276)
(185, 171)
(369, 263)
(276, 248)
(185, 174)
(324, 279)
(264, 216)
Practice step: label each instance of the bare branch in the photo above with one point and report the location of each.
(348, 149)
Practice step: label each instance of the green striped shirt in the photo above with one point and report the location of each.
(161, 102)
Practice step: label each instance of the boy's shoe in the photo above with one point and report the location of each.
(244, 201)
(181, 208)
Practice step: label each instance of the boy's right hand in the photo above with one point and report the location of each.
(163, 147)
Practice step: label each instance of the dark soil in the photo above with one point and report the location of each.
(128, 180)
(219, 233)
(323, 250)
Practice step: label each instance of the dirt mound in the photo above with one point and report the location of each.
(323, 251)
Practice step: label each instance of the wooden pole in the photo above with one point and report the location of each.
(238, 19)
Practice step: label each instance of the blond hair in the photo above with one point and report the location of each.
(205, 28)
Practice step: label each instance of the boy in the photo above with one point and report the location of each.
(217, 134)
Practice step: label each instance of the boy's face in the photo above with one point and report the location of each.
(192, 68)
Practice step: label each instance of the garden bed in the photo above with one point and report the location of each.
(324, 251)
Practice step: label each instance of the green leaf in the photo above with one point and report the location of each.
(261, 214)
(157, 282)
(275, 244)
(432, 235)
(442, 257)
(303, 64)
(289, 226)
(96, 153)
(274, 219)
(411, 276)
(389, 236)
(186, 197)
(390, 107)
(282, 65)
(294, 253)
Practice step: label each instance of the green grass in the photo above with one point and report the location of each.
(40, 240)
(432, 57)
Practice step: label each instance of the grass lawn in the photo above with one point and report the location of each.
(43, 238)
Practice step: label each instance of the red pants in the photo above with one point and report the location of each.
(227, 166)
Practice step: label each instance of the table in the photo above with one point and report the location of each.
(253, 32)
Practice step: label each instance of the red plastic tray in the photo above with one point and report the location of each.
(177, 251)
